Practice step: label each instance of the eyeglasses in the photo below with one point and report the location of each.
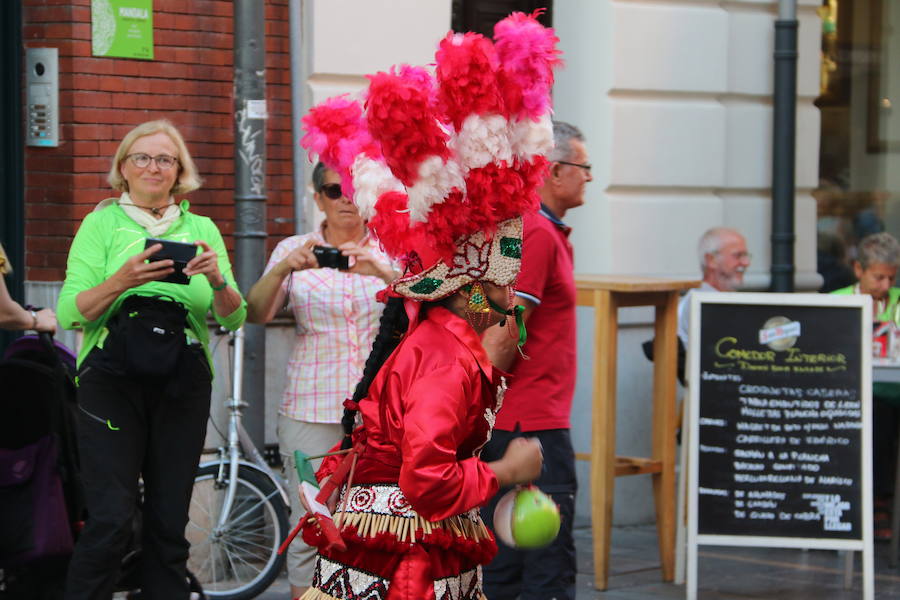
(332, 190)
(142, 161)
(737, 255)
(572, 164)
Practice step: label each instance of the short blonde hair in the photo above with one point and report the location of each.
(188, 179)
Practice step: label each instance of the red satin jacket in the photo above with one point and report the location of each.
(428, 413)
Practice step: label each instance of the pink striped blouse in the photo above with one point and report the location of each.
(336, 317)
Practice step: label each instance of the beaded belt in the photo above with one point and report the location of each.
(381, 507)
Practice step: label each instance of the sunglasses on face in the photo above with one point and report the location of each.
(332, 190)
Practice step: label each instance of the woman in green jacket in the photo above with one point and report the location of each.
(144, 371)
(875, 267)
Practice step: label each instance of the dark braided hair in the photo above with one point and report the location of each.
(393, 325)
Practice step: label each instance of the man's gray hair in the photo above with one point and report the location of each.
(711, 242)
(878, 248)
(318, 176)
(563, 134)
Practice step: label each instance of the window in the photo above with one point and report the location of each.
(859, 154)
(481, 15)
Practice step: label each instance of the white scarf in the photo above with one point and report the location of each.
(155, 227)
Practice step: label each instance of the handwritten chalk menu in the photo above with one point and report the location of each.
(779, 428)
(780, 422)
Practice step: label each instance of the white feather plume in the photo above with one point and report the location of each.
(532, 137)
(436, 180)
(371, 179)
(482, 140)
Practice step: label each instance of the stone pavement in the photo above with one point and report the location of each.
(725, 573)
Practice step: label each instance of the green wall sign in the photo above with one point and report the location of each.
(122, 28)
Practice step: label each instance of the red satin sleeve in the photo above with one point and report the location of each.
(441, 408)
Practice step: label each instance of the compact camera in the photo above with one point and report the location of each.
(331, 258)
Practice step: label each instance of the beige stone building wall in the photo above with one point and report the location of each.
(674, 97)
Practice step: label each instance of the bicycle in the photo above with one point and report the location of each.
(239, 508)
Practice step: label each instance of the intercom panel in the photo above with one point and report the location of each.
(42, 96)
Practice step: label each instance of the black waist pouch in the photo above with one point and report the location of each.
(146, 337)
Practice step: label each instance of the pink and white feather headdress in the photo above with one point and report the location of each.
(443, 166)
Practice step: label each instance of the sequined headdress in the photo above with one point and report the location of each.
(442, 166)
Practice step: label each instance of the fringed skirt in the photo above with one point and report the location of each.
(395, 554)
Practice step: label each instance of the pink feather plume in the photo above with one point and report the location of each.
(402, 117)
(467, 73)
(528, 54)
(336, 132)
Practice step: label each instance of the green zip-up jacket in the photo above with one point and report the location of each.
(890, 310)
(106, 239)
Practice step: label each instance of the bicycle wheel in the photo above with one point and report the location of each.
(241, 561)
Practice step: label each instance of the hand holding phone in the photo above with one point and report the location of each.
(179, 253)
(137, 270)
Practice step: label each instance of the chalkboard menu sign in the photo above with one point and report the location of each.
(779, 427)
(780, 421)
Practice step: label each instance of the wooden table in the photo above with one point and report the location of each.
(606, 293)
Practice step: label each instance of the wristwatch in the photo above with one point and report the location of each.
(34, 320)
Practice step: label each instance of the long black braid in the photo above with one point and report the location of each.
(393, 325)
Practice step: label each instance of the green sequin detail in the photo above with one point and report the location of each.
(426, 285)
(511, 247)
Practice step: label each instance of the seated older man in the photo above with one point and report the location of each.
(723, 256)
(878, 257)
(723, 259)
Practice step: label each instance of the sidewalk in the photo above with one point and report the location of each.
(729, 573)
(725, 573)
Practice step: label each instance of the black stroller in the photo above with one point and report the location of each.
(40, 495)
(41, 502)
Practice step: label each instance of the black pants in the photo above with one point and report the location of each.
(547, 573)
(127, 429)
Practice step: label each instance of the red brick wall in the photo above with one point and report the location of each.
(189, 82)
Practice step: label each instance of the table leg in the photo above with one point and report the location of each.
(665, 364)
(603, 437)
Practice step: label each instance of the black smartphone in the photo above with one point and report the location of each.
(331, 258)
(179, 252)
